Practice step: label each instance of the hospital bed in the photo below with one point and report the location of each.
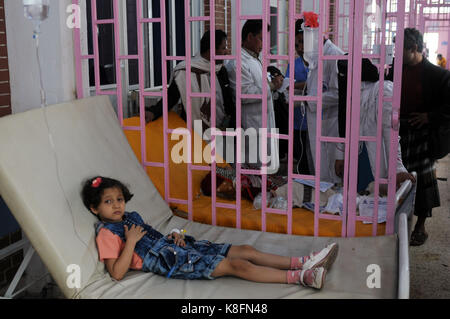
(46, 154)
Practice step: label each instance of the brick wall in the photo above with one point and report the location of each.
(10, 264)
(221, 15)
(5, 91)
(332, 19)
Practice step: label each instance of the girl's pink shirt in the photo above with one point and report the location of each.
(110, 246)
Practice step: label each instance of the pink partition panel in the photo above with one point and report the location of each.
(350, 142)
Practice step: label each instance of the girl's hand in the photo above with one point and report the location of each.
(134, 234)
(177, 239)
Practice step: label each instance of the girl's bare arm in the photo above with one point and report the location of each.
(119, 267)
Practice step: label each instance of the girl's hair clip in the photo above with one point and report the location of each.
(96, 182)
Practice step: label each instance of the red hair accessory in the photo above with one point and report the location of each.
(311, 19)
(96, 182)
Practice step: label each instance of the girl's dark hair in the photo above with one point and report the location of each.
(413, 37)
(94, 187)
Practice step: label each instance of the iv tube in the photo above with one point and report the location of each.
(37, 11)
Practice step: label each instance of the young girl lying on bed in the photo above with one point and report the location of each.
(125, 242)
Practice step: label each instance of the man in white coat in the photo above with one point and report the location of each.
(253, 80)
(370, 88)
(330, 104)
(368, 120)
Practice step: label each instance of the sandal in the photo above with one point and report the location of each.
(418, 238)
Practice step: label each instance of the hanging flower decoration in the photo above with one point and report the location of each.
(311, 19)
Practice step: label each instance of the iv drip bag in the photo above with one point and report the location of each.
(36, 10)
(311, 46)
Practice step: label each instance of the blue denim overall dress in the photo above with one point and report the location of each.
(160, 255)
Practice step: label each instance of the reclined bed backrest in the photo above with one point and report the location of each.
(42, 187)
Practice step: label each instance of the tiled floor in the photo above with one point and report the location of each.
(430, 263)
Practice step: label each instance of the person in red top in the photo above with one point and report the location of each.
(124, 240)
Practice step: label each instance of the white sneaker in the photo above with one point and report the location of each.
(319, 277)
(325, 258)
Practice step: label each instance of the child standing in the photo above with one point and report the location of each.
(125, 242)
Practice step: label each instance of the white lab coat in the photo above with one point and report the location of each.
(330, 103)
(368, 122)
(253, 79)
(369, 126)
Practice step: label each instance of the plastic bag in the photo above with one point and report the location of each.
(276, 202)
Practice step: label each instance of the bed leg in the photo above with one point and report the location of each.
(403, 259)
(19, 273)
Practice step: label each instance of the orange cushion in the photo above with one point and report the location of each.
(178, 176)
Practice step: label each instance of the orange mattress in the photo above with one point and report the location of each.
(303, 220)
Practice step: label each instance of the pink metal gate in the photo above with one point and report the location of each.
(349, 19)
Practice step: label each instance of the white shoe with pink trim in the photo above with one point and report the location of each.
(316, 277)
(325, 258)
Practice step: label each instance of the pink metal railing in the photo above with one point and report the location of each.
(439, 20)
(395, 117)
(379, 125)
(351, 141)
(79, 57)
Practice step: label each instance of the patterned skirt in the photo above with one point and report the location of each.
(416, 158)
